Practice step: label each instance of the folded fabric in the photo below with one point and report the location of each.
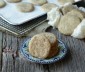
(79, 31)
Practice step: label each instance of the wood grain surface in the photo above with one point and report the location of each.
(12, 61)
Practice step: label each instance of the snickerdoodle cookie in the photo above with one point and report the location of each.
(39, 46)
(48, 6)
(25, 7)
(67, 8)
(38, 2)
(77, 13)
(53, 41)
(68, 23)
(2, 3)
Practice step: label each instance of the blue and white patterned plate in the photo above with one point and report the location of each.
(59, 56)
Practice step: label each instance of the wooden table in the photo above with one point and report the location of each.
(12, 61)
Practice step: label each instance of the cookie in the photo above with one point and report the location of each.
(25, 7)
(38, 2)
(54, 51)
(2, 3)
(48, 6)
(67, 9)
(13, 1)
(54, 43)
(68, 23)
(77, 13)
(39, 46)
(51, 37)
(65, 1)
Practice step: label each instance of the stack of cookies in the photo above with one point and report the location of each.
(43, 45)
(71, 18)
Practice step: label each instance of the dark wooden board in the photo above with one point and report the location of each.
(75, 59)
(12, 61)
